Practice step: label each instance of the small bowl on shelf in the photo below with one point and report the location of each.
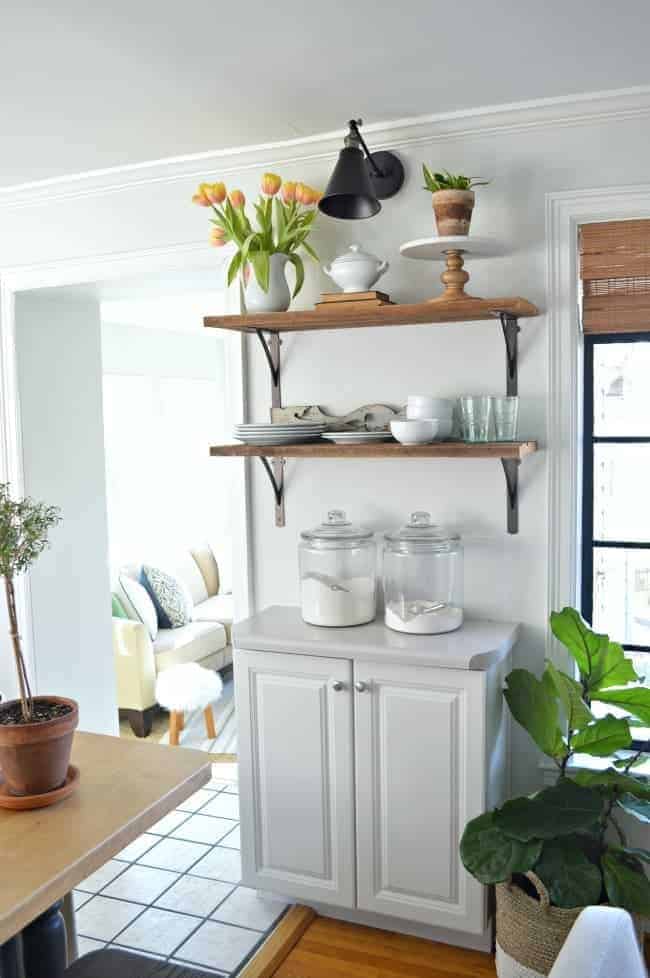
(421, 407)
(411, 432)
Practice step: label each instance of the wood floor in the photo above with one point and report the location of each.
(332, 949)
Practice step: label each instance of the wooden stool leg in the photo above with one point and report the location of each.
(181, 721)
(209, 723)
(175, 727)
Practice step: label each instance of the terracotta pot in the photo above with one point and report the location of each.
(453, 211)
(34, 757)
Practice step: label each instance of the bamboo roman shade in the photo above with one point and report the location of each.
(615, 273)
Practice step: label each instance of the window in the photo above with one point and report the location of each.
(616, 492)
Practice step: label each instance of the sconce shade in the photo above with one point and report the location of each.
(349, 193)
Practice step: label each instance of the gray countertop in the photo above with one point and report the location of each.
(478, 644)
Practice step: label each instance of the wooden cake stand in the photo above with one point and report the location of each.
(452, 250)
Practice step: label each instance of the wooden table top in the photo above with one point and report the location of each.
(125, 787)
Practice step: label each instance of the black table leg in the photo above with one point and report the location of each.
(10, 958)
(44, 945)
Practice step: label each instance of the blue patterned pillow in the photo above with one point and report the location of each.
(170, 596)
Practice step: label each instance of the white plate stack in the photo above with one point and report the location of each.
(289, 433)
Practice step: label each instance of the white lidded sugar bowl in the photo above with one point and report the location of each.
(423, 578)
(338, 576)
(356, 270)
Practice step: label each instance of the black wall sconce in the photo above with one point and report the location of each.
(358, 183)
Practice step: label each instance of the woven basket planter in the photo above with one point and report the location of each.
(530, 933)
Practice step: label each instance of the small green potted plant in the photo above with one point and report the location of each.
(285, 213)
(564, 848)
(453, 199)
(35, 731)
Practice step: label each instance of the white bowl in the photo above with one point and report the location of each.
(421, 407)
(415, 432)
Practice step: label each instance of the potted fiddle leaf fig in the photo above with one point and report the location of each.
(35, 731)
(553, 853)
(452, 198)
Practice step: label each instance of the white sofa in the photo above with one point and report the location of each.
(206, 639)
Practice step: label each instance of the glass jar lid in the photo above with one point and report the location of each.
(421, 534)
(337, 527)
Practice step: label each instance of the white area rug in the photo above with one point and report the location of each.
(193, 734)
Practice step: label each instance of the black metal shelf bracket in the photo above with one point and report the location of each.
(272, 353)
(511, 472)
(511, 330)
(275, 472)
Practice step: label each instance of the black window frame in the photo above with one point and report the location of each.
(589, 440)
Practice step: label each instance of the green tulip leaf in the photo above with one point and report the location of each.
(570, 878)
(535, 710)
(603, 737)
(564, 809)
(297, 263)
(234, 267)
(626, 884)
(492, 857)
(569, 693)
(634, 699)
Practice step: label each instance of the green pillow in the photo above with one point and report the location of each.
(118, 607)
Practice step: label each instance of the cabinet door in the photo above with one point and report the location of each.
(420, 777)
(294, 716)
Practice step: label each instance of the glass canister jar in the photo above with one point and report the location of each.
(423, 578)
(338, 577)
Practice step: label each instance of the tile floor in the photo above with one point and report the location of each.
(175, 892)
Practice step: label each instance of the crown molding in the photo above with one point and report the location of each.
(572, 110)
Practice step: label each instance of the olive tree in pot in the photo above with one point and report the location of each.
(35, 731)
(564, 848)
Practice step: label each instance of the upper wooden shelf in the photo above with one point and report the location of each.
(387, 449)
(433, 312)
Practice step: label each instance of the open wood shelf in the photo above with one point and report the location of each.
(442, 449)
(433, 313)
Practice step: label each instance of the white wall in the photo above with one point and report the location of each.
(527, 157)
(59, 371)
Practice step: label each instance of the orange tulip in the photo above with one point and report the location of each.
(200, 197)
(301, 192)
(288, 191)
(237, 199)
(271, 184)
(217, 237)
(215, 192)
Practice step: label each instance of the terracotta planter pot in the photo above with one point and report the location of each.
(34, 757)
(453, 211)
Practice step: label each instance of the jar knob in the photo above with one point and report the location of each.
(420, 518)
(336, 516)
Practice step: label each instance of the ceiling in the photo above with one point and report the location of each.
(89, 85)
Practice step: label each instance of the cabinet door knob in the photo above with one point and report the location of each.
(361, 687)
(337, 686)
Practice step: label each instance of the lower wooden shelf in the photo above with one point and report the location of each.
(388, 449)
(510, 454)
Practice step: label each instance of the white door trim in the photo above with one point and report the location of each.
(564, 213)
(80, 271)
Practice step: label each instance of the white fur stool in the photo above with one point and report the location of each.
(188, 687)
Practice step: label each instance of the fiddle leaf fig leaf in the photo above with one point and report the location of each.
(635, 699)
(569, 693)
(611, 668)
(614, 781)
(570, 878)
(491, 856)
(628, 764)
(626, 884)
(583, 644)
(638, 807)
(536, 711)
(602, 738)
(564, 809)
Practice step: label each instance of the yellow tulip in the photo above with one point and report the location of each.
(237, 199)
(217, 237)
(271, 183)
(215, 192)
(288, 191)
(200, 196)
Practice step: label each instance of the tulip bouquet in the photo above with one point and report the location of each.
(285, 213)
